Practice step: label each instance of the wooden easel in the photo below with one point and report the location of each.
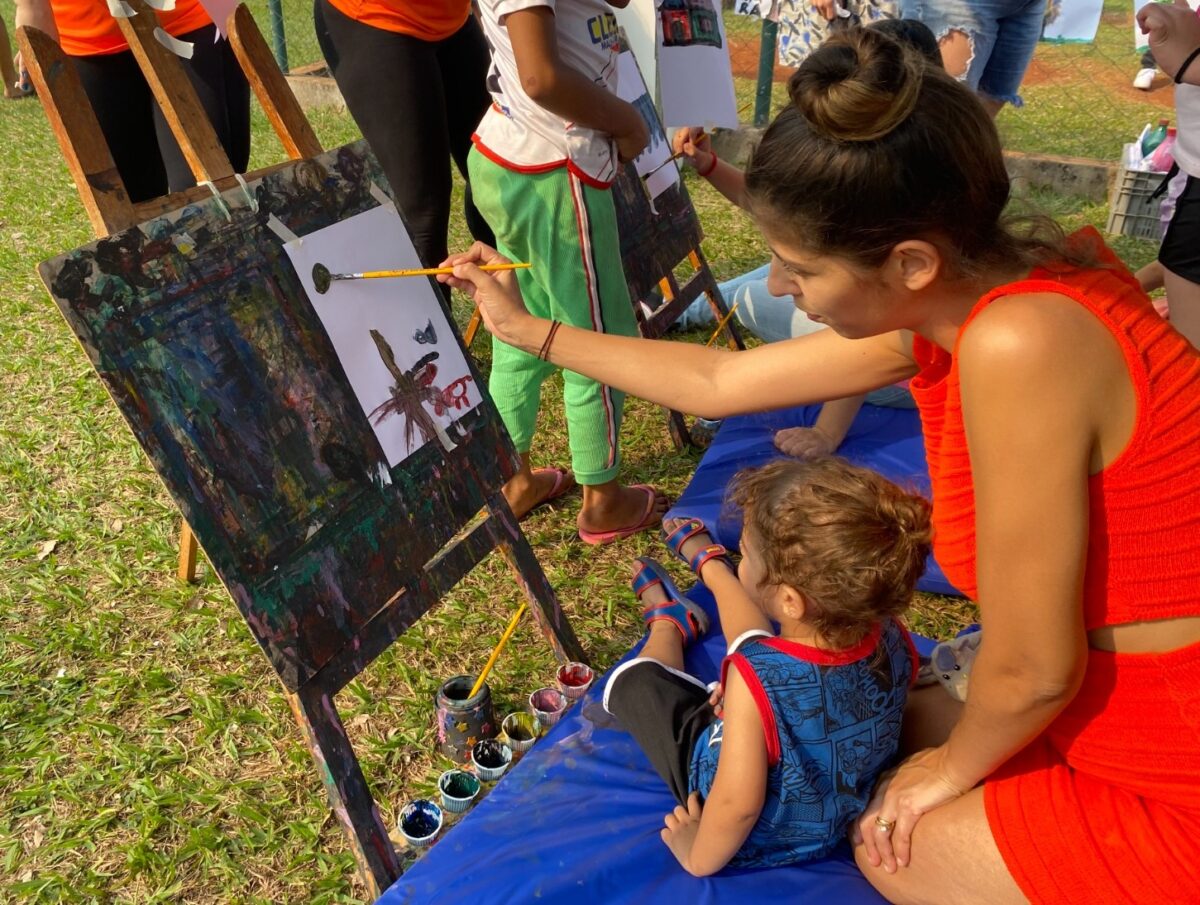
(83, 144)
(463, 528)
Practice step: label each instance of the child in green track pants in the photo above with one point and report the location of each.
(545, 155)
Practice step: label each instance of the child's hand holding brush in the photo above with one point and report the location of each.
(692, 144)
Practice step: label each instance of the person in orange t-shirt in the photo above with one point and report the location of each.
(414, 76)
(144, 150)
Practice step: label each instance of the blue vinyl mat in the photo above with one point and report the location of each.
(576, 822)
(887, 440)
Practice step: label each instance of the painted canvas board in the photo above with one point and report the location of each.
(202, 331)
(1072, 21)
(694, 74)
(391, 336)
(654, 164)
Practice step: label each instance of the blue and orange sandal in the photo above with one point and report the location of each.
(685, 532)
(686, 616)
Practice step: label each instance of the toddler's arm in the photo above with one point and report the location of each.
(705, 837)
(564, 91)
(738, 613)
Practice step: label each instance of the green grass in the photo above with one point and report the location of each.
(147, 753)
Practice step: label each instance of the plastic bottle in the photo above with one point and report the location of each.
(1155, 137)
(1162, 158)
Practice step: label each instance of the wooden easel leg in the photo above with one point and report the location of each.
(349, 795)
(187, 553)
(532, 579)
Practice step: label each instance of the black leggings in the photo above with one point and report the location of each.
(143, 148)
(417, 104)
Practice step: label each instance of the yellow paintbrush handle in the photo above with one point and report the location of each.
(512, 627)
(428, 271)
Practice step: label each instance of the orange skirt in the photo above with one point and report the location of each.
(1114, 819)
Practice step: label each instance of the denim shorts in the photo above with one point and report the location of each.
(1003, 35)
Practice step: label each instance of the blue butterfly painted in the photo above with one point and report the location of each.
(426, 337)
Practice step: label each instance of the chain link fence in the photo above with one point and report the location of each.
(1079, 100)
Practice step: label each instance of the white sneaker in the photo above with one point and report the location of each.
(1144, 79)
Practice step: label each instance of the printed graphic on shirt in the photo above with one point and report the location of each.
(519, 133)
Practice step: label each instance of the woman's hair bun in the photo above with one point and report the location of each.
(858, 86)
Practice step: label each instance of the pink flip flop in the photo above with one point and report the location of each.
(648, 520)
(563, 484)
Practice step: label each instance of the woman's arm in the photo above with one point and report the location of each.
(686, 376)
(705, 838)
(1029, 370)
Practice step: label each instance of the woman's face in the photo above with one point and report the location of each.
(847, 299)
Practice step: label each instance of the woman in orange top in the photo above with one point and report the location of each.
(1062, 422)
(143, 148)
(413, 74)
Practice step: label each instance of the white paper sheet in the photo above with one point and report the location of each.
(220, 11)
(637, 21)
(405, 311)
(694, 76)
(1073, 21)
(655, 162)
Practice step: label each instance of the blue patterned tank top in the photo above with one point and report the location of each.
(832, 724)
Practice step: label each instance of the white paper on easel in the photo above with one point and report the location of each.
(1073, 21)
(694, 75)
(220, 10)
(654, 164)
(406, 313)
(637, 22)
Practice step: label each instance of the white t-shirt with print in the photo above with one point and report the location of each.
(523, 136)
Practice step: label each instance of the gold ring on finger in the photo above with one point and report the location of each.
(884, 825)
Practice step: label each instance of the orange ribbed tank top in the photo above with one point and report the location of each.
(1143, 559)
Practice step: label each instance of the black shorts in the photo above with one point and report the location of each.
(1180, 251)
(665, 711)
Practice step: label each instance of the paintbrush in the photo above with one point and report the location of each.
(322, 278)
(512, 627)
(700, 136)
(721, 326)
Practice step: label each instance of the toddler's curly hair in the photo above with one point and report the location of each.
(851, 541)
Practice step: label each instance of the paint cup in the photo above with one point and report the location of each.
(420, 822)
(458, 788)
(574, 679)
(491, 758)
(521, 730)
(462, 720)
(548, 705)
